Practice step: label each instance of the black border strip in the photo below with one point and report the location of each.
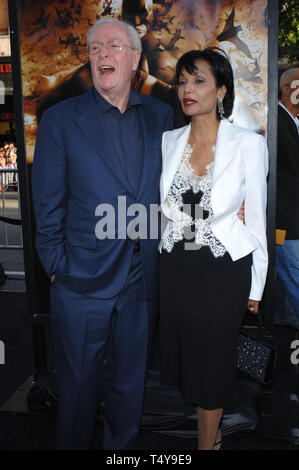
(269, 293)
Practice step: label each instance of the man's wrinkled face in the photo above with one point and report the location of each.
(112, 69)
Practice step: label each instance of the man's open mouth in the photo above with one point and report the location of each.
(106, 69)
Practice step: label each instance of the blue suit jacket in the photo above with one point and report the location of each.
(75, 169)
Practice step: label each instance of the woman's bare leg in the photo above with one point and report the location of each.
(208, 427)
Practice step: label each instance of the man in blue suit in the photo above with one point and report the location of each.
(93, 150)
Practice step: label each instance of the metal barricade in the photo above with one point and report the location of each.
(10, 212)
(10, 216)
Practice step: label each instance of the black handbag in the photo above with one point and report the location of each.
(256, 357)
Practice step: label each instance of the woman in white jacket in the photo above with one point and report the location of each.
(211, 265)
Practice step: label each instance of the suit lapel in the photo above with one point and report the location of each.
(176, 143)
(226, 143)
(290, 123)
(149, 129)
(91, 123)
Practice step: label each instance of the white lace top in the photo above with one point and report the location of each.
(184, 180)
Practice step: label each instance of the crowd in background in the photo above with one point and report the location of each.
(8, 160)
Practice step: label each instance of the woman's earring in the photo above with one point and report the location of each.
(220, 108)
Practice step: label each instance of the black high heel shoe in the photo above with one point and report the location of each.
(218, 444)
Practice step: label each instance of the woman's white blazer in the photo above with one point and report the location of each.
(240, 172)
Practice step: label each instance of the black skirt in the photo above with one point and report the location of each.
(203, 300)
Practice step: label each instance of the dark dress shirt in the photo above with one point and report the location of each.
(126, 135)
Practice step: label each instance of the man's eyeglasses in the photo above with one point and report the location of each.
(114, 46)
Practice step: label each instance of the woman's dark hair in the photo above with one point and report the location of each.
(221, 69)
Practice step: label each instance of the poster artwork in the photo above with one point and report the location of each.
(55, 64)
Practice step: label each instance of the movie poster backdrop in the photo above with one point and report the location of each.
(55, 63)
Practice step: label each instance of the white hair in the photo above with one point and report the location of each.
(132, 33)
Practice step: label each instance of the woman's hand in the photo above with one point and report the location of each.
(253, 306)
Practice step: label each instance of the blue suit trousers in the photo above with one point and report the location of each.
(85, 331)
(287, 268)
